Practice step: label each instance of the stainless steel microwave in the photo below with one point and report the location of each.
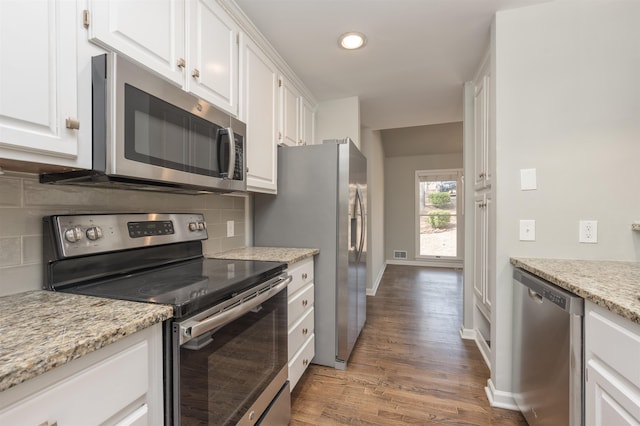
(149, 134)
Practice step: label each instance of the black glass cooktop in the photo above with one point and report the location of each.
(188, 286)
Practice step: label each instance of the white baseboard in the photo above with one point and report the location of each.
(500, 399)
(376, 283)
(428, 263)
(467, 333)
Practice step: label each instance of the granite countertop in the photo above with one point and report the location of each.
(614, 285)
(41, 330)
(272, 254)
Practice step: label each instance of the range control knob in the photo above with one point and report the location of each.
(73, 234)
(201, 226)
(94, 233)
(193, 226)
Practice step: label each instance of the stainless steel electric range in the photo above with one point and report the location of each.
(225, 351)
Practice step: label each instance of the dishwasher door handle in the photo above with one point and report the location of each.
(536, 297)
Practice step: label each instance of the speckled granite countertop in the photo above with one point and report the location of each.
(41, 330)
(273, 254)
(614, 285)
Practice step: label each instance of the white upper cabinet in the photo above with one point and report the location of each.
(150, 32)
(212, 54)
(307, 122)
(297, 120)
(193, 43)
(38, 74)
(261, 113)
(289, 113)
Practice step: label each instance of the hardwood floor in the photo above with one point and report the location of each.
(409, 366)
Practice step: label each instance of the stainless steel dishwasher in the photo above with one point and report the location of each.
(548, 384)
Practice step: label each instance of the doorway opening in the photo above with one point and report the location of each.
(438, 196)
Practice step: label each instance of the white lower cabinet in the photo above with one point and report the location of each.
(612, 377)
(120, 384)
(301, 319)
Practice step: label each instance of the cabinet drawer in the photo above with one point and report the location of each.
(301, 361)
(614, 340)
(300, 332)
(300, 303)
(302, 273)
(91, 396)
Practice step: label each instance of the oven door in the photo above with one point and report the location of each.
(233, 373)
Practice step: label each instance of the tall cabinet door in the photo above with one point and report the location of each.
(38, 80)
(149, 32)
(260, 88)
(212, 64)
(481, 263)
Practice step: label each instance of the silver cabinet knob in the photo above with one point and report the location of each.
(195, 73)
(72, 123)
(181, 63)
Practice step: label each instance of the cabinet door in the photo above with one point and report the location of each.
(482, 280)
(481, 133)
(150, 32)
(289, 113)
(38, 75)
(307, 122)
(260, 88)
(212, 57)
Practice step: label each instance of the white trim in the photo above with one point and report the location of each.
(467, 333)
(500, 399)
(427, 263)
(378, 280)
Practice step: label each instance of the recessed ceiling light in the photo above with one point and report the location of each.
(352, 41)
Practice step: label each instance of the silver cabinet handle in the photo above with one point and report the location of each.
(195, 73)
(72, 123)
(181, 63)
(304, 276)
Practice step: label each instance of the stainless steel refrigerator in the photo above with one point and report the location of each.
(321, 203)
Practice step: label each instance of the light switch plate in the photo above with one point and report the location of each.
(527, 230)
(230, 228)
(528, 179)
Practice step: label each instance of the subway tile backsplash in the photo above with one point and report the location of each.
(24, 201)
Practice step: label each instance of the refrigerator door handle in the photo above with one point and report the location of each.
(362, 222)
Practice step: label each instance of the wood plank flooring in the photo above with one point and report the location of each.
(409, 366)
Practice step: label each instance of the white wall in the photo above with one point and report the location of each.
(24, 201)
(567, 104)
(372, 149)
(337, 119)
(399, 183)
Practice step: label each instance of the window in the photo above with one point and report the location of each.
(438, 194)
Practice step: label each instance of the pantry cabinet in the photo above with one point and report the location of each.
(261, 113)
(612, 376)
(120, 384)
(38, 82)
(301, 319)
(193, 43)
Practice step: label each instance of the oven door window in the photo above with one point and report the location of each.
(233, 366)
(161, 134)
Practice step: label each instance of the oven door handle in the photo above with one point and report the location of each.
(225, 317)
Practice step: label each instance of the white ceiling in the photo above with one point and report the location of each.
(410, 73)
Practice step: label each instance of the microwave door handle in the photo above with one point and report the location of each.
(232, 153)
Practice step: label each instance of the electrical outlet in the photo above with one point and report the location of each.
(588, 231)
(527, 230)
(230, 230)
